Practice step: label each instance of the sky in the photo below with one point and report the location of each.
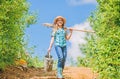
(76, 13)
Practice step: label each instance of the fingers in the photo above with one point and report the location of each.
(49, 49)
(71, 30)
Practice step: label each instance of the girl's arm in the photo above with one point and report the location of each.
(69, 36)
(51, 43)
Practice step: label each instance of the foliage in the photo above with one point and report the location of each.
(103, 49)
(14, 18)
(34, 62)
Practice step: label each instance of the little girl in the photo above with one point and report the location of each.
(59, 37)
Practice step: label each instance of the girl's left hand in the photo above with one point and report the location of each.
(71, 30)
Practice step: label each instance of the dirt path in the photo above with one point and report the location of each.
(79, 73)
(39, 73)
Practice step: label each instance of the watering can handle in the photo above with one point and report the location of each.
(49, 54)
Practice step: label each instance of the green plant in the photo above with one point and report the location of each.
(14, 18)
(103, 49)
(35, 62)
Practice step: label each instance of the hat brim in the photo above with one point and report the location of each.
(55, 20)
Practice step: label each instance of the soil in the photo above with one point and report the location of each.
(39, 73)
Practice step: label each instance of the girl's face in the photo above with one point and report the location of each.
(60, 22)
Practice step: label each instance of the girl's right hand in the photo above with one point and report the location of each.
(49, 49)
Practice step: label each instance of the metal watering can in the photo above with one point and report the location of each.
(48, 62)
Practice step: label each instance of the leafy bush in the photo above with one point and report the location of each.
(14, 18)
(103, 49)
(35, 62)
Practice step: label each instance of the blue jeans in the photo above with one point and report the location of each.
(62, 54)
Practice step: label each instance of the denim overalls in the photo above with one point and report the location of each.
(61, 50)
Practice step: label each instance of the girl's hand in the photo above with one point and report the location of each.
(69, 36)
(49, 49)
(71, 30)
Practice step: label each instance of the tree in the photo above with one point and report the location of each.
(103, 49)
(14, 18)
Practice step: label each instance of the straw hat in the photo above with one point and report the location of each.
(55, 20)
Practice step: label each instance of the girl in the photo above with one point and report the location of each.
(59, 37)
